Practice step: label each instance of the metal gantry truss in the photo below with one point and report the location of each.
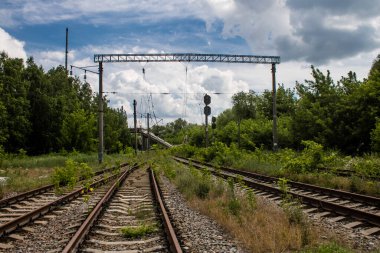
(186, 57)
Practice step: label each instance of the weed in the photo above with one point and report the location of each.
(327, 248)
(284, 188)
(251, 198)
(139, 231)
(202, 189)
(234, 206)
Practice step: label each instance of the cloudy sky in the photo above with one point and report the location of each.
(339, 35)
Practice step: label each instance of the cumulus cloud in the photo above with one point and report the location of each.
(166, 88)
(312, 31)
(325, 30)
(13, 47)
(92, 11)
(336, 35)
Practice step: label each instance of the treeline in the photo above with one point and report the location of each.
(43, 112)
(342, 115)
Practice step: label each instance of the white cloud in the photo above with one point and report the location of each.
(259, 23)
(13, 47)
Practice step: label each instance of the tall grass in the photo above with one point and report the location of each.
(28, 172)
(312, 165)
(261, 226)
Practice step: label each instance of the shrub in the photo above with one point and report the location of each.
(310, 159)
(202, 189)
(71, 173)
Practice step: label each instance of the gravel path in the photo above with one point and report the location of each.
(197, 233)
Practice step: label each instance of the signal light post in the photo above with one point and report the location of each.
(213, 126)
(207, 112)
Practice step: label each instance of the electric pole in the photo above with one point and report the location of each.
(147, 122)
(101, 145)
(275, 139)
(67, 48)
(135, 123)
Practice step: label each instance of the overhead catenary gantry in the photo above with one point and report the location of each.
(185, 57)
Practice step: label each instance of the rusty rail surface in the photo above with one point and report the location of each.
(84, 229)
(37, 213)
(170, 234)
(268, 187)
(19, 197)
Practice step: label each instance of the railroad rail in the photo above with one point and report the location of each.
(25, 214)
(364, 209)
(25, 195)
(111, 210)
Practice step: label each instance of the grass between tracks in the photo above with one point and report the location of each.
(29, 172)
(260, 225)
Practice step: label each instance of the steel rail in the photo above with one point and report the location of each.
(37, 213)
(336, 208)
(371, 200)
(11, 200)
(84, 229)
(170, 233)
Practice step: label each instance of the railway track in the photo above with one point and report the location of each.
(354, 210)
(49, 189)
(20, 210)
(130, 208)
(132, 201)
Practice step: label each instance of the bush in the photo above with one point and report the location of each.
(202, 189)
(71, 173)
(183, 150)
(310, 159)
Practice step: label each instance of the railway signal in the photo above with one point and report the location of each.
(207, 112)
(213, 122)
(207, 99)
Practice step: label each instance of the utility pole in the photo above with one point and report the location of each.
(101, 145)
(147, 123)
(274, 90)
(135, 123)
(67, 47)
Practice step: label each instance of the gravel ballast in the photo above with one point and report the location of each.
(197, 232)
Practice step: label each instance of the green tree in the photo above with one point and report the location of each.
(78, 131)
(375, 137)
(315, 110)
(285, 102)
(16, 125)
(245, 105)
(116, 133)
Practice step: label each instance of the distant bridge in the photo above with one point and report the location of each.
(152, 136)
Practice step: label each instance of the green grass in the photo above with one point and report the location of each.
(139, 231)
(312, 165)
(29, 172)
(327, 248)
(54, 160)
